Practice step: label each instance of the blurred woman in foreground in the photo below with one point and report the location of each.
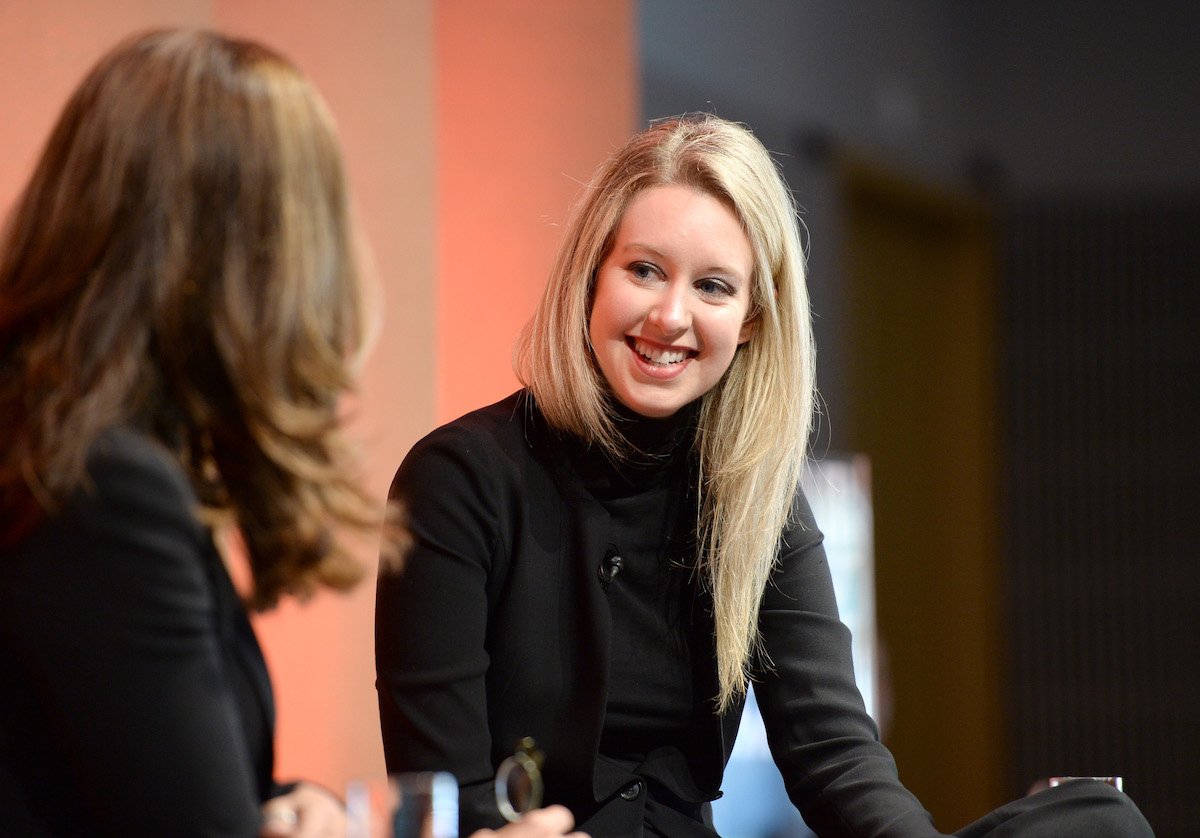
(179, 315)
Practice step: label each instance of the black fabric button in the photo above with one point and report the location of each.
(632, 791)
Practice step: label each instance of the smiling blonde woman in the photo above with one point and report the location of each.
(607, 559)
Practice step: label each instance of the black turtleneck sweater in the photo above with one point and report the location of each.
(659, 681)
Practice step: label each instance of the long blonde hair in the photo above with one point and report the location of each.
(753, 426)
(182, 259)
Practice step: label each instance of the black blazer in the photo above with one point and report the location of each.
(133, 695)
(498, 628)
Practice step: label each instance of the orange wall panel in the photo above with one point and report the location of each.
(530, 98)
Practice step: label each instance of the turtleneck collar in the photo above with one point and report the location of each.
(654, 440)
(659, 452)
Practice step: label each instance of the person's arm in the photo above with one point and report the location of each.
(431, 618)
(120, 647)
(836, 771)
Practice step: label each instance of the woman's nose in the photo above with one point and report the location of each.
(670, 312)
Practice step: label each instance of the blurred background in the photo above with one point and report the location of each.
(1001, 203)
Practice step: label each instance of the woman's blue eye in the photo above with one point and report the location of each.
(713, 286)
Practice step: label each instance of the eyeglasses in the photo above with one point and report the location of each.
(519, 781)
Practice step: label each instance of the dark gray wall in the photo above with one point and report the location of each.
(1087, 96)
(1070, 93)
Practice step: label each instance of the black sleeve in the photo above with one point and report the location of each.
(114, 616)
(431, 618)
(836, 771)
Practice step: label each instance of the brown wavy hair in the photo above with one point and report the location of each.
(182, 260)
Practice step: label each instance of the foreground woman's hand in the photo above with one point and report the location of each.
(308, 811)
(551, 822)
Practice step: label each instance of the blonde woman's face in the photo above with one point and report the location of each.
(671, 299)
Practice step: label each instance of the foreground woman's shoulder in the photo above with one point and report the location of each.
(126, 466)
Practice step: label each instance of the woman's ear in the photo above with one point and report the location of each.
(749, 326)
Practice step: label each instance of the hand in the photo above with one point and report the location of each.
(550, 822)
(308, 811)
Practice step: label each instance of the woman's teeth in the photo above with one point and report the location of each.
(655, 355)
